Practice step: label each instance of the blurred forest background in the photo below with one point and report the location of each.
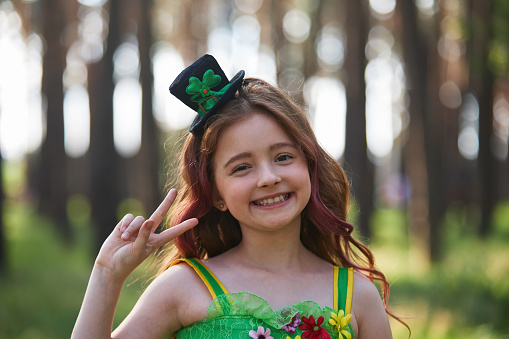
(410, 96)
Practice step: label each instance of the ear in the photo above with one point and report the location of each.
(220, 205)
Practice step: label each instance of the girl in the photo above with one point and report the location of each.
(260, 246)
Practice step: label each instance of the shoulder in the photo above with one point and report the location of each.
(368, 308)
(364, 290)
(186, 293)
(175, 299)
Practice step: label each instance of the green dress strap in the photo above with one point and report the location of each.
(343, 287)
(213, 284)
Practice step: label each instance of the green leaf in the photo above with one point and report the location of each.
(210, 79)
(195, 86)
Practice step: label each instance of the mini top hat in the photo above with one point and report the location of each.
(204, 87)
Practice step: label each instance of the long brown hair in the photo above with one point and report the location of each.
(324, 230)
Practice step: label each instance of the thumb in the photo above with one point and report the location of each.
(143, 235)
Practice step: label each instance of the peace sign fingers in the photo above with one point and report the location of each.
(163, 208)
(155, 219)
(147, 240)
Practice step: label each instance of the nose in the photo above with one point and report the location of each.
(268, 177)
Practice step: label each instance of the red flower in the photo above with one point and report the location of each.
(312, 329)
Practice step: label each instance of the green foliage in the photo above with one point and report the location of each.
(466, 295)
(79, 209)
(499, 49)
(131, 205)
(501, 219)
(46, 280)
(498, 57)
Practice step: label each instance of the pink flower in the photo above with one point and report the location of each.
(290, 328)
(260, 334)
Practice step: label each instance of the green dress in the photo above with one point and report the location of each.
(245, 315)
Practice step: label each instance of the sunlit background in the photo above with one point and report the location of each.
(242, 39)
(22, 107)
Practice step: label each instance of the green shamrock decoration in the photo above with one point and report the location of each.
(201, 92)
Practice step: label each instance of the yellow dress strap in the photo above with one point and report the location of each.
(213, 284)
(349, 292)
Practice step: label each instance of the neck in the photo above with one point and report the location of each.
(271, 251)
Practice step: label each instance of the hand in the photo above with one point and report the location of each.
(133, 239)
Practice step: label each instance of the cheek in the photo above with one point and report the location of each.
(305, 180)
(308, 187)
(302, 171)
(229, 190)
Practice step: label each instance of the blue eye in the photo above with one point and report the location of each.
(283, 157)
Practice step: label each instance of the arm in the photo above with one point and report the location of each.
(96, 315)
(369, 310)
(130, 243)
(175, 299)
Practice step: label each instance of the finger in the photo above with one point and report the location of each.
(126, 220)
(175, 231)
(143, 235)
(163, 208)
(133, 227)
(120, 227)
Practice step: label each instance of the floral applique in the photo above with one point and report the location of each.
(312, 329)
(261, 333)
(340, 321)
(201, 91)
(290, 328)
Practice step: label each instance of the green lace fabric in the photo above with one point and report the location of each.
(234, 315)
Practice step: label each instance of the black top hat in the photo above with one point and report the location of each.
(204, 87)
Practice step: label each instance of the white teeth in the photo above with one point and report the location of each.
(271, 201)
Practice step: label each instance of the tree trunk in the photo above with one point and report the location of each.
(278, 37)
(190, 46)
(414, 152)
(148, 157)
(310, 66)
(435, 134)
(53, 163)
(104, 158)
(356, 148)
(482, 85)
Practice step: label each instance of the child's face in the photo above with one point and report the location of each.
(261, 175)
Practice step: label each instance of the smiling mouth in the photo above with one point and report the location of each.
(272, 201)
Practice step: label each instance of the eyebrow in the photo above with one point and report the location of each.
(281, 145)
(245, 155)
(239, 156)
